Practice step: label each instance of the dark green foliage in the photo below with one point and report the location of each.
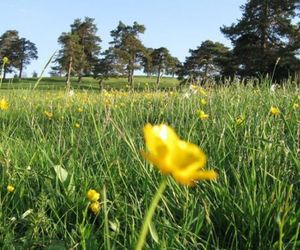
(106, 67)
(208, 60)
(19, 51)
(264, 34)
(162, 62)
(80, 49)
(128, 48)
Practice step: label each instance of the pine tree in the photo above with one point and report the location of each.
(205, 61)
(128, 48)
(19, 51)
(162, 62)
(265, 33)
(8, 48)
(80, 49)
(26, 51)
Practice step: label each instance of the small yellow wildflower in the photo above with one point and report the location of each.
(80, 110)
(10, 188)
(5, 60)
(95, 207)
(274, 111)
(48, 114)
(202, 91)
(203, 101)
(93, 195)
(239, 120)
(296, 106)
(77, 125)
(4, 104)
(202, 115)
(183, 160)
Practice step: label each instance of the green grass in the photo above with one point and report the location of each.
(254, 204)
(89, 83)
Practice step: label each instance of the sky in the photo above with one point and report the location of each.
(179, 25)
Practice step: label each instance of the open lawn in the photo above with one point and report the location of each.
(55, 147)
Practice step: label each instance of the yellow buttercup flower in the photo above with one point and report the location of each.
(194, 87)
(80, 110)
(93, 195)
(48, 114)
(10, 188)
(4, 104)
(202, 115)
(203, 101)
(5, 60)
(77, 125)
(183, 160)
(95, 207)
(274, 111)
(296, 106)
(239, 120)
(202, 91)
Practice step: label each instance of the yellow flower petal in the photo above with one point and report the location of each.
(183, 160)
(95, 207)
(93, 195)
(190, 177)
(274, 111)
(10, 188)
(3, 104)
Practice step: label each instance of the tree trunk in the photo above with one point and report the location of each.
(101, 84)
(79, 78)
(158, 77)
(264, 36)
(131, 70)
(68, 82)
(21, 70)
(130, 76)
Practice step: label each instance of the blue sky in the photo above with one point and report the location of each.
(176, 24)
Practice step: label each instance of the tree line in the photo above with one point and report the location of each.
(265, 41)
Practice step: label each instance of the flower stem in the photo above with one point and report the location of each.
(150, 212)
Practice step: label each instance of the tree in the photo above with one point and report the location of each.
(207, 60)
(173, 65)
(106, 67)
(34, 74)
(8, 48)
(80, 49)
(26, 52)
(146, 62)
(161, 59)
(263, 34)
(128, 48)
(71, 57)
(20, 51)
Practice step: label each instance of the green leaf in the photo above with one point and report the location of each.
(153, 232)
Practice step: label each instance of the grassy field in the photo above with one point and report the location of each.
(49, 160)
(89, 83)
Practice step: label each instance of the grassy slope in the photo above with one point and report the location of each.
(253, 205)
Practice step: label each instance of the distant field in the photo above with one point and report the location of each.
(55, 83)
(54, 147)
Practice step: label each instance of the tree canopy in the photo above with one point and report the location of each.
(265, 33)
(127, 48)
(80, 48)
(20, 51)
(207, 60)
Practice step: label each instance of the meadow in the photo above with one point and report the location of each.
(56, 146)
